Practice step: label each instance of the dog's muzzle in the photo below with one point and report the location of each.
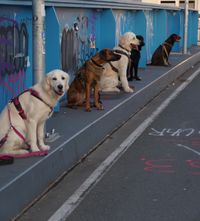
(59, 90)
(133, 46)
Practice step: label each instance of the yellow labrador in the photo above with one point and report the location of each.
(22, 120)
(118, 69)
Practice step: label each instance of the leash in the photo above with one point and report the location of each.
(4, 139)
(165, 49)
(113, 68)
(127, 55)
(166, 43)
(18, 106)
(6, 159)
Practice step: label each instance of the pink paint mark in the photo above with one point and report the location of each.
(195, 142)
(18, 79)
(193, 163)
(160, 166)
(194, 173)
(8, 88)
(167, 166)
(2, 19)
(142, 158)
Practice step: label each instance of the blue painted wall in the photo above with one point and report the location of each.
(192, 24)
(107, 29)
(173, 27)
(53, 58)
(140, 29)
(159, 30)
(73, 35)
(16, 51)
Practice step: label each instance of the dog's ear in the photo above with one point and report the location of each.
(46, 83)
(122, 40)
(103, 54)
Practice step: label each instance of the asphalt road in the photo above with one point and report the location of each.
(156, 179)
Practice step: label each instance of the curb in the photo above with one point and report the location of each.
(34, 179)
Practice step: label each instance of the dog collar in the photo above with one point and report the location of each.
(113, 68)
(98, 65)
(166, 43)
(36, 94)
(124, 48)
(122, 52)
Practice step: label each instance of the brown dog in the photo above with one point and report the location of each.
(88, 77)
(161, 54)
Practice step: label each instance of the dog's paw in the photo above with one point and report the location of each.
(21, 151)
(129, 90)
(130, 79)
(45, 147)
(88, 109)
(34, 149)
(100, 107)
(115, 89)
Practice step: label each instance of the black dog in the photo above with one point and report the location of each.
(161, 55)
(134, 60)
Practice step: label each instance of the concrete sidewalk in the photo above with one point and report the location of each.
(77, 132)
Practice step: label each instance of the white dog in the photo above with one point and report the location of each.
(22, 120)
(109, 80)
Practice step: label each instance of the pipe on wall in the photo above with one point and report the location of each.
(186, 27)
(38, 12)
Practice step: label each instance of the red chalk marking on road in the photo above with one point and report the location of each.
(160, 165)
(142, 158)
(76, 198)
(168, 166)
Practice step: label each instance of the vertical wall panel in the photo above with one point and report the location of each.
(149, 35)
(15, 51)
(160, 30)
(107, 29)
(140, 29)
(173, 27)
(73, 35)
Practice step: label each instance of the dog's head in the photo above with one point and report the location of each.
(56, 81)
(174, 38)
(109, 55)
(141, 40)
(129, 40)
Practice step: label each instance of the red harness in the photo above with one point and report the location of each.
(8, 158)
(18, 106)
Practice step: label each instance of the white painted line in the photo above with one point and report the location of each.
(188, 148)
(117, 106)
(74, 200)
(98, 119)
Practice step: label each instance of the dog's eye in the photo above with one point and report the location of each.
(54, 79)
(63, 78)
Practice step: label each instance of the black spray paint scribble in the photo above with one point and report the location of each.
(13, 47)
(77, 45)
